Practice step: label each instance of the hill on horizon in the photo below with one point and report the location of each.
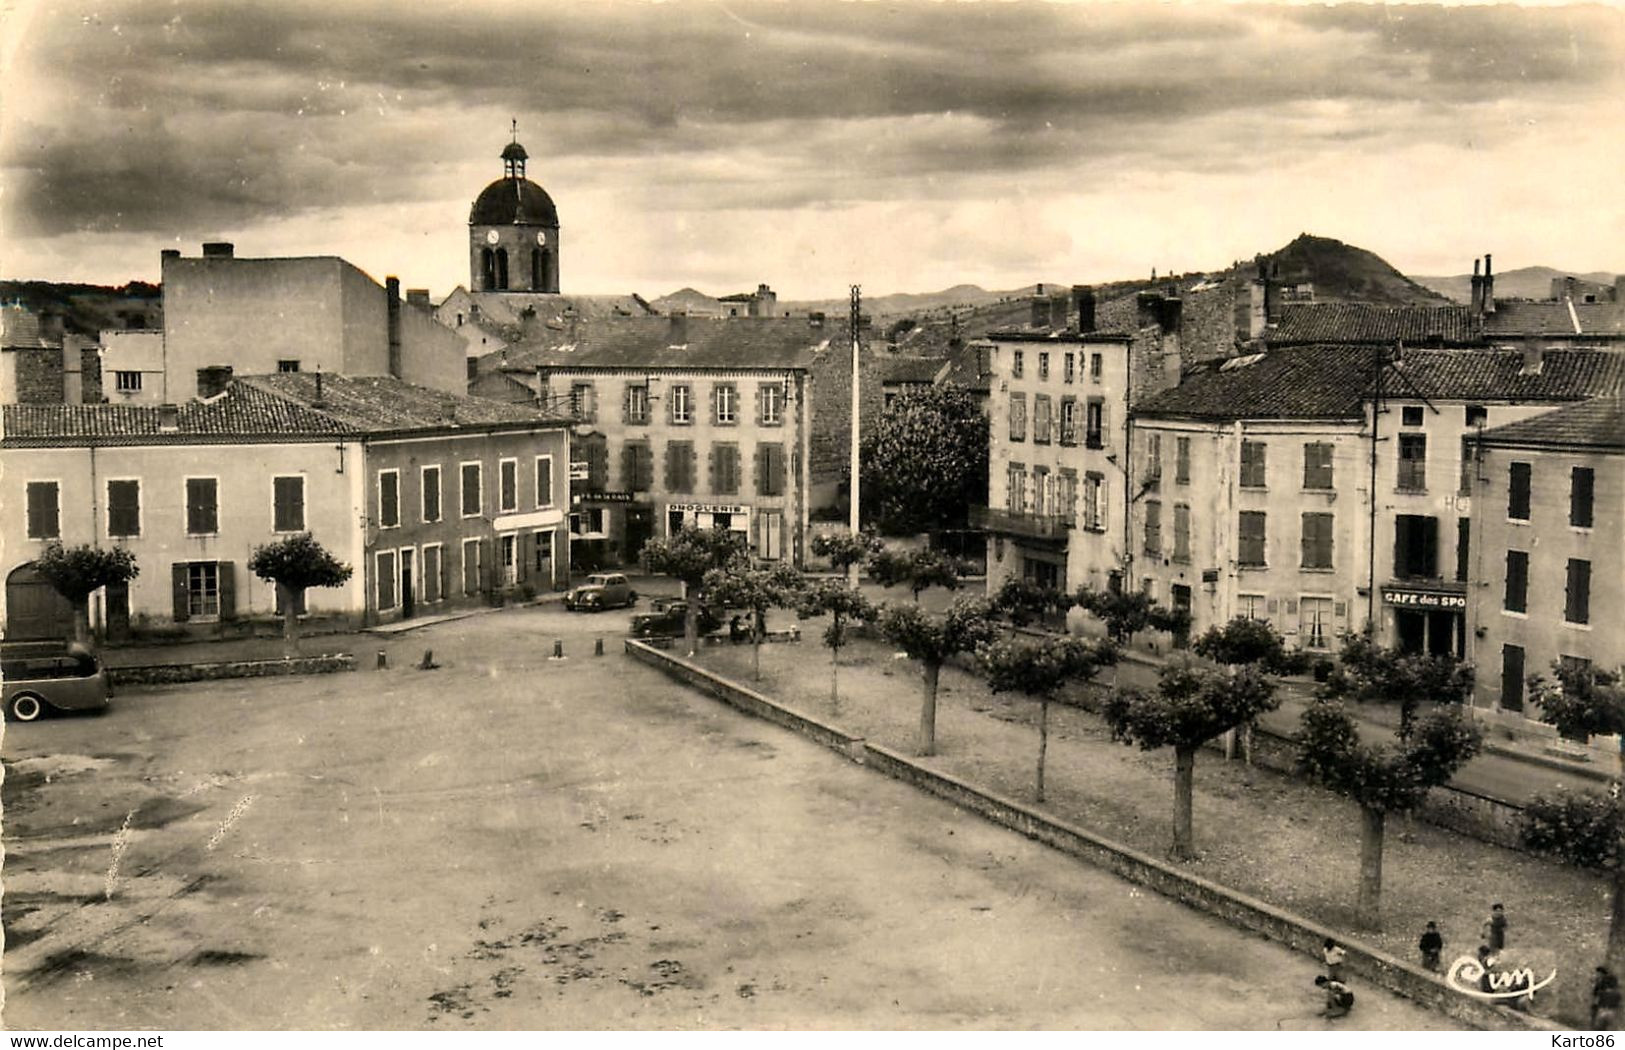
(1527, 282)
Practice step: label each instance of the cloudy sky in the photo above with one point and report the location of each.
(810, 144)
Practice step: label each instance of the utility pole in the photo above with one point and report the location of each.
(855, 484)
(1371, 534)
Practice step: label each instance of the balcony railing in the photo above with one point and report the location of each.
(1011, 523)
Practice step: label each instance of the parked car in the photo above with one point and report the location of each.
(665, 619)
(603, 590)
(41, 677)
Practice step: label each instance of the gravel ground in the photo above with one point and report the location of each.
(1268, 835)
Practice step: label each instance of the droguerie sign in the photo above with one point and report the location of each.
(1471, 977)
(1423, 599)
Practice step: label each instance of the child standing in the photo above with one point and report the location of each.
(1431, 945)
(1333, 954)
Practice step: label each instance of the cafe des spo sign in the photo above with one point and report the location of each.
(1408, 598)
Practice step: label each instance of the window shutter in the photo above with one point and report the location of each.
(714, 415)
(763, 485)
(1430, 546)
(629, 467)
(228, 589)
(761, 403)
(626, 403)
(1580, 489)
(178, 592)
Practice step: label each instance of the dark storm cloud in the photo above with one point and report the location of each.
(162, 115)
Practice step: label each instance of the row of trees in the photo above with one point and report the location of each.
(294, 565)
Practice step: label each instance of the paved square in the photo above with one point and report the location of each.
(510, 842)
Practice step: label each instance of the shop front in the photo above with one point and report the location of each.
(1431, 618)
(732, 516)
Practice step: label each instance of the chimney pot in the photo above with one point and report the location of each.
(169, 418)
(219, 250)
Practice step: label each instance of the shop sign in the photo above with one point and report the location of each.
(1410, 599)
(604, 497)
(707, 508)
(579, 469)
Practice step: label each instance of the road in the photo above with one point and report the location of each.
(512, 842)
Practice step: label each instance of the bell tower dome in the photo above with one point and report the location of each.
(513, 231)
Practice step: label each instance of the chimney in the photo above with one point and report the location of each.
(1058, 304)
(1083, 298)
(318, 402)
(1170, 310)
(679, 327)
(218, 249)
(392, 289)
(1489, 286)
(168, 254)
(169, 418)
(1477, 306)
(1533, 358)
(212, 380)
(419, 297)
(1040, 315)
(51, 326)
(1619, 288)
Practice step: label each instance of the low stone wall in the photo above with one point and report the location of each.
(747, 700)
(165, 674)
(1232, 906)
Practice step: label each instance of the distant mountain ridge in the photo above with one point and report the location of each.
(1528, 282)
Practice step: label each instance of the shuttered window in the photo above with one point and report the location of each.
(508, 484)
(1516, 598)
(386, 580)
(389, 499)
(1581, 482)
(544, 481)
(1518, 491)
(1182, 532)
(1018, 417)
(124, 508)
(430, 484)
(1250, 533)
(770, 469)
(1153, 526)
(288, 504)
(44, 511)
(1041, 418)
(1317, 541)
(202, 506)
(1512, 677)
(725, 469)
(1317, 465)
(680, 466)
(637, 467)
(1254, 466)
(1182, 461)
(473, 495)
(1413, 462)
(1577, 595)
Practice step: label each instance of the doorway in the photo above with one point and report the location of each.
(408, 592)
(640, 527)
(34, 608)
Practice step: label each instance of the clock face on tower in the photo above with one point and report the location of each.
(491, 236)
(541, 237)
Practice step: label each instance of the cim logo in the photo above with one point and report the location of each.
(1467, 975)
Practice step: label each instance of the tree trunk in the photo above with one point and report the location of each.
(1371, 834)
(81, 620)
(1184, 777)
(834, 680)
(928, 709)
(290, 616)
(1043, 743)
(691, 627)
(758, 628)
(1616, 924)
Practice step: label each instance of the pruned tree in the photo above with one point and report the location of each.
(742, 587)
(931, 640)
(843, 605)
(925, 461)
(915, 569)
(1128, 612)
(1040, 669)
(78, 572)
(688, 556)
(294, 565)
(1021, 601)
(1373, 673)
(1582, 701)
(1241, 641)
(1381, 779)
(1586, 831)
(1192, 705)
(845, 549)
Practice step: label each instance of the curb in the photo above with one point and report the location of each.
(1236, 908)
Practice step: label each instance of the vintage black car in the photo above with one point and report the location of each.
(665, 619)
(603, 590)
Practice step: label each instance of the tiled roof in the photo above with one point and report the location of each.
(1302, 323)
(260, 409)
(1599, 423)
(1332, 381)
(19, 327)
(506, 308)
(1553, 318)
(372, 404)
(1315, 382)
(912, 369)
(703, 342)
(1503, 375)
(966, 369)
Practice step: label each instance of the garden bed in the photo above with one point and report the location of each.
(1270, 836)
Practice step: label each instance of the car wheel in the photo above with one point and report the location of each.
(26, 707)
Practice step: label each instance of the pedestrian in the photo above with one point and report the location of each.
(1495, 929)
(1338, 997)
(1431, 945)
(1604, 1000)
(1333, 954)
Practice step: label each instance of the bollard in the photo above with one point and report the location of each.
(558, 649)
(428, 663)
(383, 659)
(598, 647)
